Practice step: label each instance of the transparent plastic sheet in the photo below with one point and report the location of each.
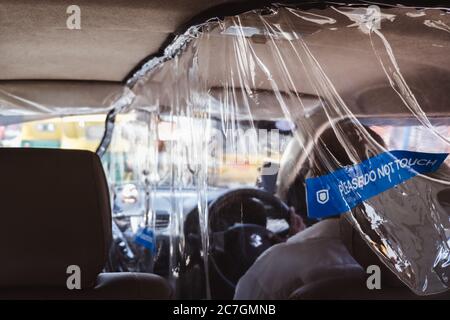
(238, 102)
(316, 69)
(40, 98)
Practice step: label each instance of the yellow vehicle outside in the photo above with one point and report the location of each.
(73, 132)
(41, 134)
(76, 132)
(82, 132)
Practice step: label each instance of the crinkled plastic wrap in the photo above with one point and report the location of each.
(234, 101)
(380, 68)
(41, 98)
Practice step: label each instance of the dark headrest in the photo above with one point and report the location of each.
(363, 254)
(54, 212)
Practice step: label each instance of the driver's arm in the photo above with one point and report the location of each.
(297, 224)
(249, 288)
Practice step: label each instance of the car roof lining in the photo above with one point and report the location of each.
(226, 8)
(29, 34)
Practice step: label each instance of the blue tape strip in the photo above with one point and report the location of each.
(344, 189)
(146, 238)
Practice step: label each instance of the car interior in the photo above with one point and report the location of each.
(160, 148)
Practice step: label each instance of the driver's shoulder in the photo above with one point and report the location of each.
(322, 236)
(324, 230)
(289, 251)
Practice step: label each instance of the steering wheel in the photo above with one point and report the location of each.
(235, 247)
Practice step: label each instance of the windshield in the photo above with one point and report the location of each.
(148, 145)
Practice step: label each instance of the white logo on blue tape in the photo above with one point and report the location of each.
(322, 196)
(344, 189)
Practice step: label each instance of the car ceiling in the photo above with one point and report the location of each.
(347, 57)
(117, 35)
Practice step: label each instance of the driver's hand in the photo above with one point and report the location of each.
(297, 223)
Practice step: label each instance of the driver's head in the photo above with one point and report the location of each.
(336, 147)
(343, 145)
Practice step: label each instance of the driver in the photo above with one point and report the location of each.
(285, 267)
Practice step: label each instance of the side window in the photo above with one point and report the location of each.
(415, 138)
(71, 132)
